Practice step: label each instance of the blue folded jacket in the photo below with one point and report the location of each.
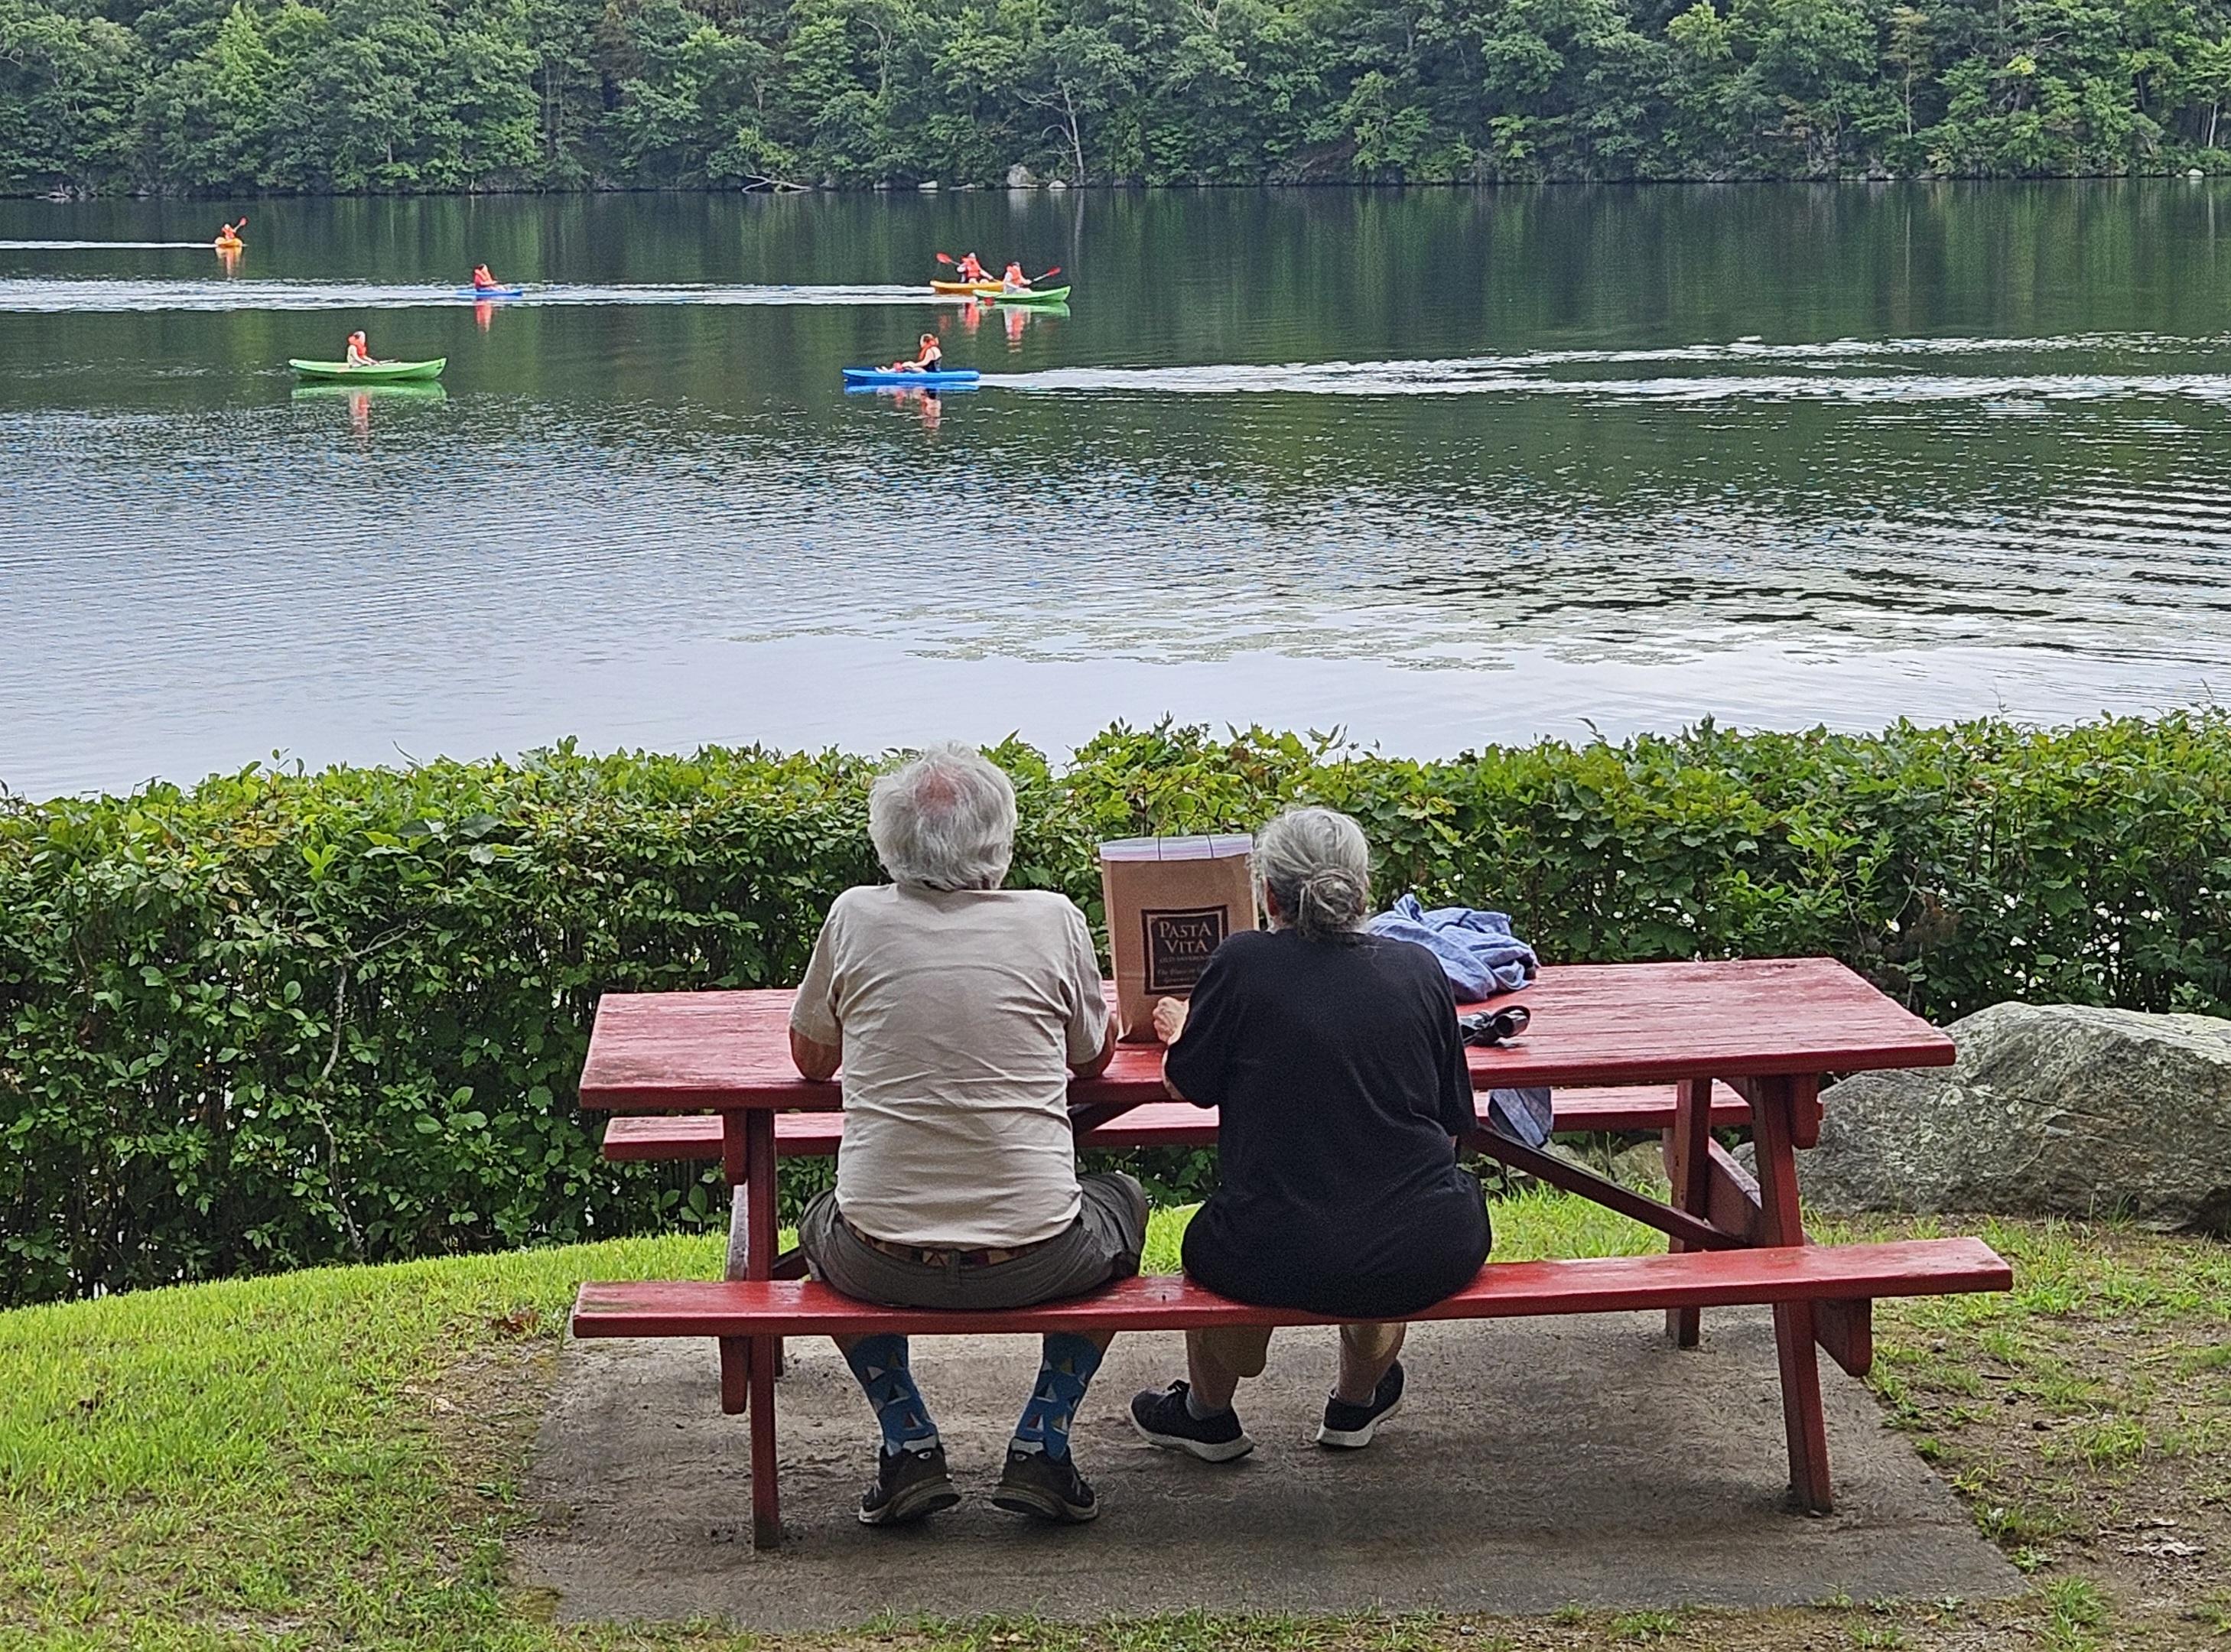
(1478, 951)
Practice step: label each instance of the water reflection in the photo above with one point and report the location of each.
(1440, 465)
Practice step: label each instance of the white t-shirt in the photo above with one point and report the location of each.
(959, 1014)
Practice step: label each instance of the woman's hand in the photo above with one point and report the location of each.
(1169, 1019)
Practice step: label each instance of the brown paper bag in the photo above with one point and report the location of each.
(1170, 901)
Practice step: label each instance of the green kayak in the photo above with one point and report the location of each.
(386, 372)
(1041, 296)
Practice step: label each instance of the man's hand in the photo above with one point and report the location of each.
(1169, 1019)
(815, 1062)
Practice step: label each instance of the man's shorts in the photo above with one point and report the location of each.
(1104, 1243)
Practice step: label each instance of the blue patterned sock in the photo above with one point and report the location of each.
(1064, 1369)
(880, 1363)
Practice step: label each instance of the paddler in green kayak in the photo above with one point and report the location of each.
(1011, 279)
(360, 356)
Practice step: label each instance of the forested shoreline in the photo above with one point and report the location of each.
(225, 96)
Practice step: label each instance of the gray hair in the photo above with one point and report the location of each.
(1318, 865)
(944, 820)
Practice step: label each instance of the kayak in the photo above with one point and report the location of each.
(477, 294)
(223, 245)
(942, 380)
(386, 372)
(1039, 295)
(975, 287)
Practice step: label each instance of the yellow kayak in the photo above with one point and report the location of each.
(977, 288)
(233, 245)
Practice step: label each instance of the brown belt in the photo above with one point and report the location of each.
(941, 1255)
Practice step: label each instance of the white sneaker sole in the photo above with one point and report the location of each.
(1357, 1439)
(1219, 1451)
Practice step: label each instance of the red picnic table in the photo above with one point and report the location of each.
(1768, 1030)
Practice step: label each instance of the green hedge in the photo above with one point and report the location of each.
(278, 1019)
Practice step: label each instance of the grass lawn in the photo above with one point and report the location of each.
(334, 1458)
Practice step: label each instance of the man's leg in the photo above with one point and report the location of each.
(1067, 1362)
(1041, 1477)
(910, 1473)
(880, 1366)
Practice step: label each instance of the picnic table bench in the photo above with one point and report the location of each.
(1680, 1049)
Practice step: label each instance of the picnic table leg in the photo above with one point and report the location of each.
(747, 1159)
(735, 1351)
(766, 1506)
(1773, 1109)
(1688, 1166)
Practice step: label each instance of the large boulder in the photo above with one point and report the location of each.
(2052, 1110)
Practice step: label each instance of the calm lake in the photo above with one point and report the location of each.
(1439, 467)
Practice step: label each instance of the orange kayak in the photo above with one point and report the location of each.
(233, 245)
(976, 289)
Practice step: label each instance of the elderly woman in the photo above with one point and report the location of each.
(959, 1010)
(1335, 1057)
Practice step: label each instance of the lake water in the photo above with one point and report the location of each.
(1439, 467)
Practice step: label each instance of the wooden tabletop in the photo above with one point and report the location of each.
(1593, 1024)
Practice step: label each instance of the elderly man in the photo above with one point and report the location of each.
(959, 1010)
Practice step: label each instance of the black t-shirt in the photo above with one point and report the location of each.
(1339, 1072)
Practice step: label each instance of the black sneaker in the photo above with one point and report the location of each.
(908, 1485)
(1163, 1419)
(1050, 1487)
(1350, 1427)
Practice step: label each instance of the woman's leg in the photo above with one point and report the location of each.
(1366, 1352)
(1217, 1360)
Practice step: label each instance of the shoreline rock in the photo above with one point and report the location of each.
(2059, 1110)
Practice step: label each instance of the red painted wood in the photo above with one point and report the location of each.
(766, 1507)
(1846, 1331)
(1593, 1024)
(1688, 1169)
(1561, 1172)
(735, 1375)
(1733, 1194)
(1501, 1290)
(1774, 1101)
(689, 1137)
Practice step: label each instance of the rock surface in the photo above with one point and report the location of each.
(2052, 1110)
(1020, 177)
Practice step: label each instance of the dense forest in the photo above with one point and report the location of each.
(367, 95)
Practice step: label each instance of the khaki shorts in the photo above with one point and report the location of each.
(1104, 1244)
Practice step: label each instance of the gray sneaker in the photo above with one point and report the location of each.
(1049, 1487)
(907, 1486)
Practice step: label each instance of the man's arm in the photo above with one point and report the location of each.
(1098, 1064)
(816, 1061)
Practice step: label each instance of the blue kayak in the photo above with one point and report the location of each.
(942, 380)
(479, 293)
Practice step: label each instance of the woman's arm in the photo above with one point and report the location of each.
(1169, 1027)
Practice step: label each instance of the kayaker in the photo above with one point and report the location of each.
(1011, 279)
(971, 268)
(360, 355)
(229, 236)
(927, 361)
(482, 280)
